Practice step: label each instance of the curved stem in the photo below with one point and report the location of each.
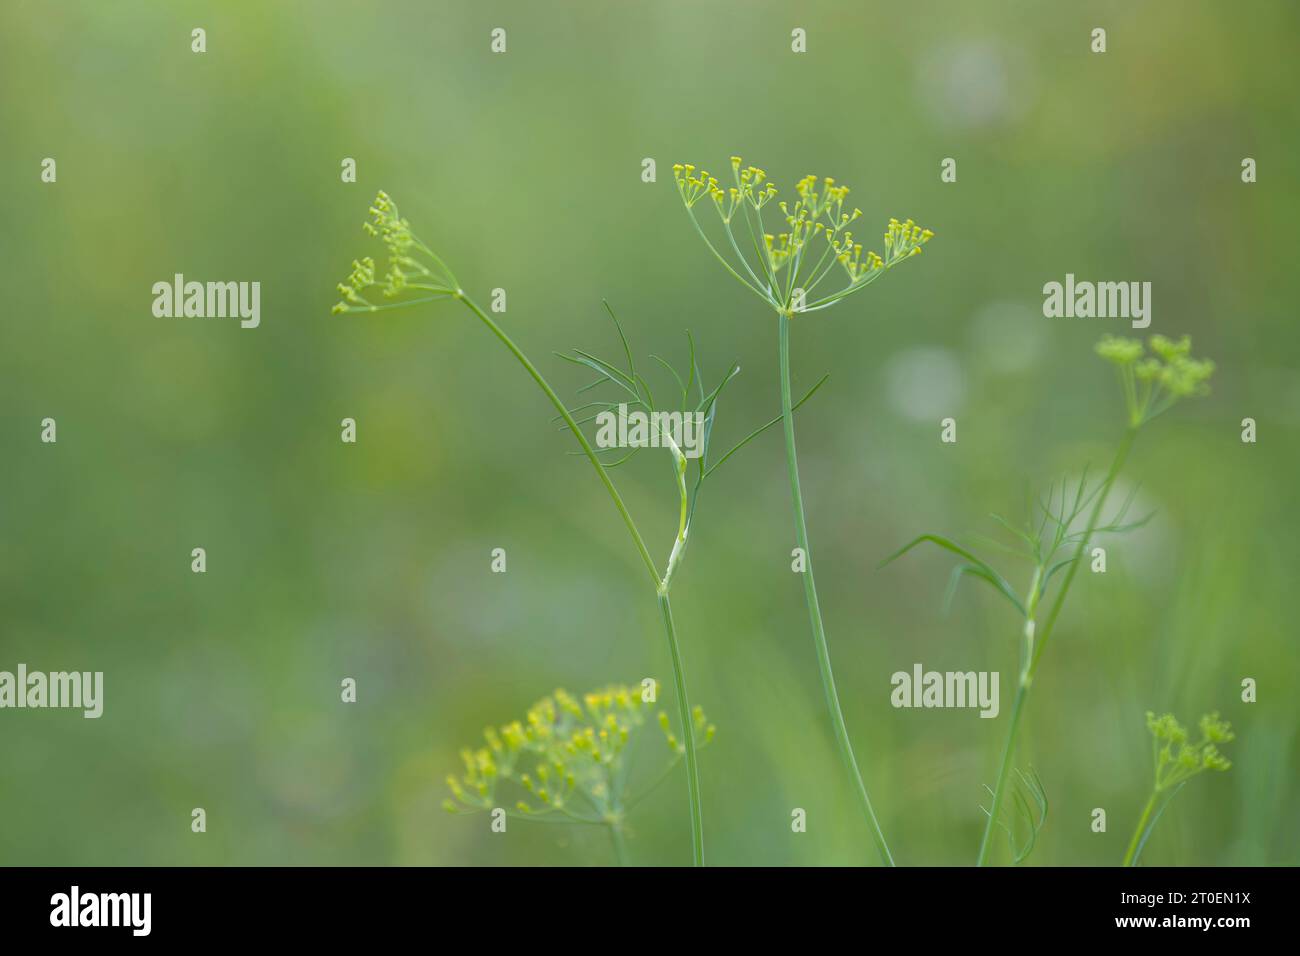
(814, 609)
(573, 427)
(688, 734)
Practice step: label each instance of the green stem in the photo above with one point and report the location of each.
(620, 844)
(573, 427)
(814, 609)
(1130, 858)
(999, 792)
(688, 734)
(1031, 667)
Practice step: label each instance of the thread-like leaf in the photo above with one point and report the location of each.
(1032, 785)
(762, 428)
(1027, 787)
(712, 396)
(1022, 535)
(608, 367)
(979, 567)
(1042, 587)
(627, 349)
(964, 569)
(596, 366)
(673, 372)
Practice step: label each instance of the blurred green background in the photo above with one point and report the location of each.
(327, 560)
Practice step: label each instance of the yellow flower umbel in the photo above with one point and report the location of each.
(787, 265)
(1153, 383)
(567, 761)
(414, 273)
(1175, 760)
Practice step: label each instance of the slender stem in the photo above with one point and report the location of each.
(573, 427)
(999, 792)
(1022, 691)
(814, 609)
(620, 844)
(1030, 667)
(1130, 858)
(688, 734)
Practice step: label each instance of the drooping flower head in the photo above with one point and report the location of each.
(413, 273)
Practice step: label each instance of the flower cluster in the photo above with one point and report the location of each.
(567, 758)
(1153, 382)
(751, 188)
(411, 267)
(1179, 759)
(789, 264)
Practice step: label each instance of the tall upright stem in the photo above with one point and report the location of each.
(661, 586)
(1034, 653)
(688, 734)
(620, 844)
(1004, 769)
(814, 609)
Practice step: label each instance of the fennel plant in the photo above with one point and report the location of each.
(786, 269)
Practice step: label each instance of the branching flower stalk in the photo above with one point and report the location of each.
(786, 269)
(569, 762)
(416, 275)
(1053, 541)
(634, 393)
(1173, 765)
